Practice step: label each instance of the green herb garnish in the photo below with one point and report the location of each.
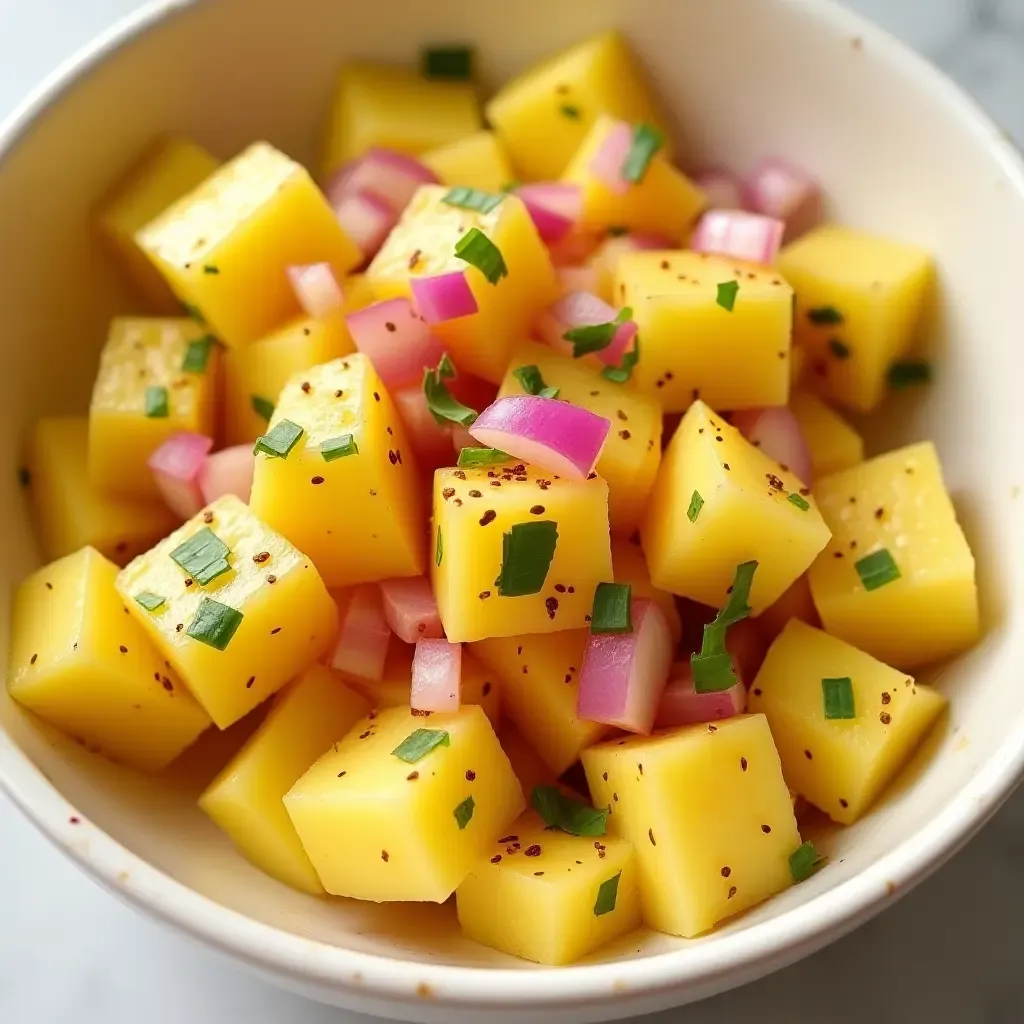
(263, 407)
(696, 504)
(466, 198)
(825, 316)
(157, 402)
(419, 743)
(197, 355)
(838, 697)
(448, 63)
(571, 111)
(527, 550)
(607, 895)
(338, 447)
(204, 556)
(877, 569)
(438, 547)
(803, 860)
(646, 142)
(595, 337)
(279, 440)
(839, 348)
(712, 667)
(443, 405)
(479, 251)
(904, 375)
(611, 611)
(726, 297)
(149, 600)
(482, 457)
(209, 268)
(533, 382)
(215, 623)
(567, 813)
(621, 374)
(800, 502)
(464, 812)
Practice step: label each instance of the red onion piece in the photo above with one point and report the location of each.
(316, 288)
(393, 177)
(431, 442)
(777, 433)
(410, 609)
(443, 297)
(436, 676)
(362, 645)
(608, 161)
(623, 675)
(176, 467)
(229, 471)
(779, 190)
(559, 437)
(577, 279)
(682, 705)
(723, 188)
(366, 219)
(554, 208)
(745, 236)
(583, 309)
(396, 339)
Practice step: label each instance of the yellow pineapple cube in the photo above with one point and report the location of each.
(225, 247)
(898, 578)
(405, 805)
(477, 161)
(719, 502)
(81, 664)
(423, 245)
(348, 492)
(833, 444)
(235, 624)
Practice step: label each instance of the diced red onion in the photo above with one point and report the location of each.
(723, 188)
(410, 609)
(742, 235)
(608, 161)
(393, 177)
(623, 675)
(583, 309)
(443, 297)
(777, 433)
(559, 437)
(554, 208)
(436, 676)
(431, 442)
(795, 603)
(362, 645)
(316, 288)
(779, 190)
(396, 339)
(682, 705)
(577, 279)
(366, 219)
(176, 467)
(229, 471)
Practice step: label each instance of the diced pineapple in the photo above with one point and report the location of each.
(544, 115)
(539, 683)
(163, 173)
(631, 455)
(80, 663)
(839, 765)
(225, 247)
(527, 764)
(263, 616)
(859, 299)
(404, 806)
(157, 377)
(69, 513)
(423, 245)
(708, 813)
(396, 108)
(924, 609)
(359, 516)
(475, 509)
(718, 502)
(245, 799)
(832, 442)
(630, 566)
(477, 161)
(736, 359)
(548, 896)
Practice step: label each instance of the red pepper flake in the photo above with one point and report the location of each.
(271, 579)
(885, 718)
(248, 685)
(726, 871)
(551, 604)
(123, 649)
(507, 839)
(732, 892)
(305, 387)
(766, 829)
(537, 510)
(263, 556)
(743, 764)
(470, 775)
(385, 856)
(496, 858)
(448, 492)
(532, 851)
(488, 517)
(412, 776)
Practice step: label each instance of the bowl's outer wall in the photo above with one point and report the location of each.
(901, 153)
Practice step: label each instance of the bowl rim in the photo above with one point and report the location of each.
(749, 953)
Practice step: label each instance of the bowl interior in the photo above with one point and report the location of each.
(899, 152)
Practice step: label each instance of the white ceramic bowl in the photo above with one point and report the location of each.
(901, 152)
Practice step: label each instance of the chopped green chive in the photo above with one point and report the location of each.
(839, 348)
(838, 697)
(726, 297)
(149, 600)
(527, 550)
(338, 447)
(696, 504)
(621, 374)
(533, 382)
(419, 743)
(194, 312)
(606, 896)
(799, 501)
(443, 405)
(595, 337)
(877, 569)
(197, 355)
(646, 142)
(712, 667)
(482, 457)
(215, 623)
(209, 268)
(803, 860)
(448, 63)
(510, 186)
(280, 440)
(571, 111)
(904, 375)
(479, 251)
(263, 407)
(825, 316)
(567, 813)
(472, 199)
(439, 547)
(157, 402)
(611, 611)
(464, 812)
(204, 556)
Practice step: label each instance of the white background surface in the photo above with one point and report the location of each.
(947, 954)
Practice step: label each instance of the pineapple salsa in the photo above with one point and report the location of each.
(499, 448)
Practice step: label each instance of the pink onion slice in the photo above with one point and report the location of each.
(443, 297)
(316, 288)
(682, 705)
(608, 161)
(436, 676)
(396, 339)
(229, 471)
(176, 467)
(554, 207)
(394, 177)
(777, 433)
(410, 609)
(431, 442)
(577, 279)
(366, 219)
(623, 675)
(723, 188)
(745, 236)
(362, 645)
(779, 190)
(559, 437)
(583, 309)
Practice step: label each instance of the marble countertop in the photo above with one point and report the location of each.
(948, 953)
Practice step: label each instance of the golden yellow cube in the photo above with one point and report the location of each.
(423, 245)
(734, 358)
(548, 896)
(157, 377)
(839, 764)
(544, 114)
(70, 513)
(477, 161)
(859, 299)
(418, 801)
(917, 603)
(708, 813)
(225, 247)
(630, 566)
(245, 799)
(476, 509)
(79, 662)
(165, 171)
(832, 442)
(236, 625)
(719, 502)
(348, 492)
